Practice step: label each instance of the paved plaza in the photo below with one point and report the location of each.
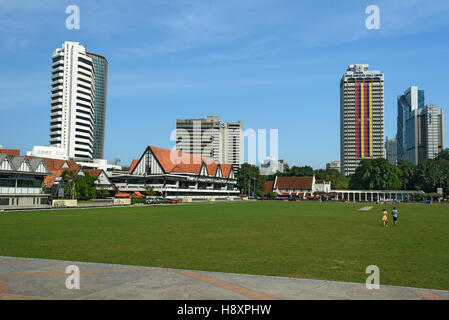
(23, 278)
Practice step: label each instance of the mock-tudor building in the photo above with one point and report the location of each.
(297, 186)
(53, 182)
(176, 174)
(21, 181)
(103, 182)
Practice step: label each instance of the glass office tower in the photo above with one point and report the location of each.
(101, 84)
(411, 100)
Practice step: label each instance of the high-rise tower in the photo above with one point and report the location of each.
(411, 100)
(361, 116)
(100, 65)
(72, 101)
(210, 137)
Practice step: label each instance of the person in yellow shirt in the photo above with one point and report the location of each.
(385, 218)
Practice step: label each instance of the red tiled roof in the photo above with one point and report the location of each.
(295, 183)
(320, 181)
(268, 187)
(226, 169)
(56, 169)
(177, 161)
(212, 168)
(93, 172)
(137, 194)
(10, 152)
(122, 195)
(133, 165)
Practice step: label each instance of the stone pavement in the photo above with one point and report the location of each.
(23, 278)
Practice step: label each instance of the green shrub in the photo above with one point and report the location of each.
(272, 194)
(140, 200)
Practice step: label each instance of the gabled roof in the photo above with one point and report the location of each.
(268, 187)
(93, 172)
(3, 157)
(17, 163)
(181, 162)
(23, 164)
(56, 168)
(212, 168)
(226, 169)
(295, 183)
(36, 164)
(133, 165)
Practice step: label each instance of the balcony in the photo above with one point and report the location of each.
(55, 126)
(55, 95)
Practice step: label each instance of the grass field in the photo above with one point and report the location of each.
(315, 240)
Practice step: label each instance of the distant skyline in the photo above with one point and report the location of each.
(273, 64)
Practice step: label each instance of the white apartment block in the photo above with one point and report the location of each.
(210, 137)
(361, 116)
(333, 165)
(71, 123)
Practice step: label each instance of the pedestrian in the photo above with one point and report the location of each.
(385, 218)
(395, 212)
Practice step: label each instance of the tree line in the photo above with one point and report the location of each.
(371, 174)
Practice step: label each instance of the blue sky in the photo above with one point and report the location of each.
(273, 64)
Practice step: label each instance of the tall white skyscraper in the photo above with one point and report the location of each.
(72, 101)
(210, 137)
(361, 116)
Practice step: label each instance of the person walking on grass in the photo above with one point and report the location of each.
(385, 218)
(394, 212)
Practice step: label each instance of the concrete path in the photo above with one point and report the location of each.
(365, 209)
(23, 278)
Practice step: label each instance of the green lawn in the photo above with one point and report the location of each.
(306, 239)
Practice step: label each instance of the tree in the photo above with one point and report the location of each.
(429, 173)
(295, 171)
(81, 187)
(443, 155)
(102, 193)
(375, 174)
(86, 188)
(337, 180)
(70, 178)
(407, 176)
(249, 176)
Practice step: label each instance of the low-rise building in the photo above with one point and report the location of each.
(52, 183)
(22, 181)
(297, 186)
(103, 182)
(175, 174)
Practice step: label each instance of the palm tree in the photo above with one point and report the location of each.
(72, 178)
